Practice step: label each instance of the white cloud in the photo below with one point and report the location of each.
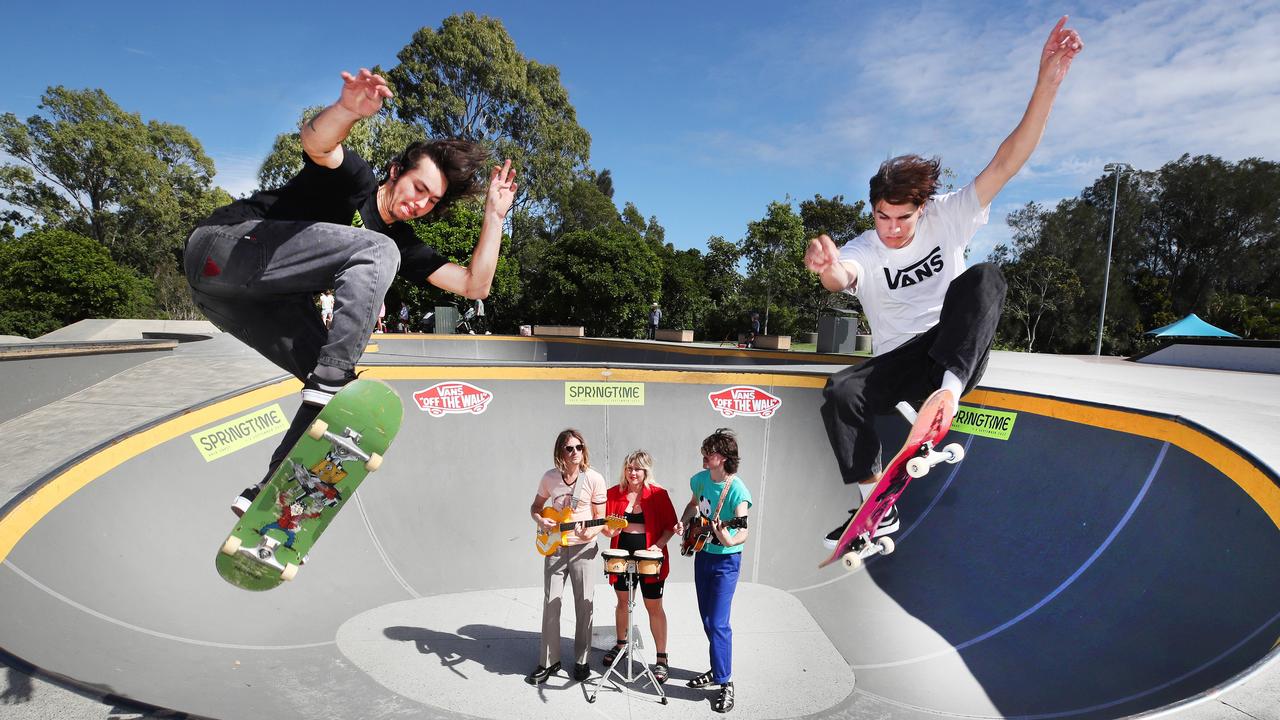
(237, 173)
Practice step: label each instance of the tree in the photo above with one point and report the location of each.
(774, 250)
(603, 279)
(51, 278)
(1040, 287)
(468, 80)
(88, 166)
(842, 222)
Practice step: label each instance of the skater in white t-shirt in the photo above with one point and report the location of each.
(932, 321)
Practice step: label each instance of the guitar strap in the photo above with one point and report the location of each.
(715, 515)
(578, 491)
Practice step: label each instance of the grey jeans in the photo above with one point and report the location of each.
(576, 565)
(256, 280)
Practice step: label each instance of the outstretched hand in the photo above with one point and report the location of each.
(363, 93)
(821, 254)
(502, 189)
(1060, 49)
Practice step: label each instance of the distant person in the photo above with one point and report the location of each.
(402, 324)
(326, 308)
(932, 321)
(574, 486)
(482, 323)
(755, 329)
(655, 318)
(382, 314)
(254, 265)
(719, 496)
(651, 523)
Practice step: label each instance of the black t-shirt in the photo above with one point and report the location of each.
(320, 194)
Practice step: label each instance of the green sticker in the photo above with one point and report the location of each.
(996, 424)
(242, 432)
(603, 393)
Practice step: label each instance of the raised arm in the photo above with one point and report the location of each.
(361, 97)
(475, 279)
(823, 257)
(1055, 60)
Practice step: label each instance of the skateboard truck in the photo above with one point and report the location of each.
(344, 445)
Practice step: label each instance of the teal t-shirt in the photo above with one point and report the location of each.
(708, 494)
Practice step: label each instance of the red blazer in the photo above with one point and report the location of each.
(659, 516)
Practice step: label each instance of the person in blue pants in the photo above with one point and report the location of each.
(720, 500)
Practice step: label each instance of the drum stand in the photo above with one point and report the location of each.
(629, 651)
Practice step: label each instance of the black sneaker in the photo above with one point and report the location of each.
(319, 392)
(246, 497)
(888, 524)
(540, 674)
(581, 672)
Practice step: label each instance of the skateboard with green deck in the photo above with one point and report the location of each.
(344, 443)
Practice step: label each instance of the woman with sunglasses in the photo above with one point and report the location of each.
(571, 484)
(651, 521)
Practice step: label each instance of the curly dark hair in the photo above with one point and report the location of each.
(906, 179)
(724, 443)
(461, 162)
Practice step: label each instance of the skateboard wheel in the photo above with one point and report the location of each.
(290, 570)
(851, 561)
(886, 545)
(316, 431)
(917, 467)
(373, 463)
(956, 451)
(231, 545)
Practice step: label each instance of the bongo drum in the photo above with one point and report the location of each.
(615, 562)
(648, 562)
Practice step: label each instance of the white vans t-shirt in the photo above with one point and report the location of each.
(902, 290)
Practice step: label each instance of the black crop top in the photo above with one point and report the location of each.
(634, 517)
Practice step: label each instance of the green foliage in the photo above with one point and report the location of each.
(467, 80)
(1042, 290)
(87, 166)
(774, 250)
(603, 279)
(1198, 235)
(51, 278)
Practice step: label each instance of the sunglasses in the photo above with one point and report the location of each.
(573, 448)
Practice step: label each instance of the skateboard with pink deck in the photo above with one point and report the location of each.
(917, 456)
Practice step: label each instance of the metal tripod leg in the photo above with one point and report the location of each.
(629, 651)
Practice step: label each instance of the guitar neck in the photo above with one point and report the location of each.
(566, 527)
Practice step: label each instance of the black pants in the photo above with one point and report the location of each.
(960, 342)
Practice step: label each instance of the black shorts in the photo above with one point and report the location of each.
(648, 590)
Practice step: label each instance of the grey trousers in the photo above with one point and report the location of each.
(576, 564)
(256, 280)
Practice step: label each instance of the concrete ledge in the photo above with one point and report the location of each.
(560, 330)
(773, 342)
(674, 335)
(32, 350)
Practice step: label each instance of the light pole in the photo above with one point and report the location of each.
(1116, 168)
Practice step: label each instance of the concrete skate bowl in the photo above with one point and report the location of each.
(1098, 563)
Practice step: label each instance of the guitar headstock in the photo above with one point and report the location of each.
(616, 522)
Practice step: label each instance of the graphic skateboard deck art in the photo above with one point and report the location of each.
(914, 460)
(344, 443)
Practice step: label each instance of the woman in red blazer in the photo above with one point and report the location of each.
(651, 520)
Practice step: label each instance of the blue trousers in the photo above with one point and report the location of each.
(716, 578)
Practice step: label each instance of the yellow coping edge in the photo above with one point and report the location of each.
(44, 499)
(1222, 457)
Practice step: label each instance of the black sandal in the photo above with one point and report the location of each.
(661, 669)
(612, 653)
(702, 680)
(724, 701)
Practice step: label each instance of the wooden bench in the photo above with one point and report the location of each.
(682, 336)
(560, 330)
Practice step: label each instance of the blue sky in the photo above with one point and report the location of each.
(707, 111)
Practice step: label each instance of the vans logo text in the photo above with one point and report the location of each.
(914, 273)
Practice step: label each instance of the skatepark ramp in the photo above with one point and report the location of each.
(1084, 560)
